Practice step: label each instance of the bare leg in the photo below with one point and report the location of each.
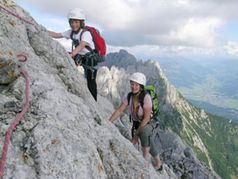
(157, 162)
(146, 151)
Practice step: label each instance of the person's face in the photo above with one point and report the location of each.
(74, 24)
(135, 87)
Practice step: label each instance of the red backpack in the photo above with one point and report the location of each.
(99, 42)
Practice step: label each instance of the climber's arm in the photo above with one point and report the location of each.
(81, 45)
(118, 112)
(55, 34)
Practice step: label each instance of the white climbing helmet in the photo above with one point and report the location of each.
(76, 14)
(138, 78)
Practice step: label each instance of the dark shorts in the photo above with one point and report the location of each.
(147, 137)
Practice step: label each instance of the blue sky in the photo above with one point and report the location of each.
(151, 28)
(229, 31)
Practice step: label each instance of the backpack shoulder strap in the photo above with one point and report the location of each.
(142, 97)
(129, 97)
(71, 35)
(128, 100)
(81, 34)
(84, 30)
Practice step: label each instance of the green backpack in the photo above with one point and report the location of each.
(151, 90)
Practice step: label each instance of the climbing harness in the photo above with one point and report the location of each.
(84, 61)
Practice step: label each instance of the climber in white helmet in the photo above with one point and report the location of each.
(141, 115)
(83, 42)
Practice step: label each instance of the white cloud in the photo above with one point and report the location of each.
(197, 32)
(231, 48)
(155, 51)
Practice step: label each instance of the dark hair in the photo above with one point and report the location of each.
(142, 87)
(82, 24)
(142, 93)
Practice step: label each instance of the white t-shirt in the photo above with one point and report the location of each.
(86, 37)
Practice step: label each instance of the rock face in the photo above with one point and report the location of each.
(65, 134)
(180, 158)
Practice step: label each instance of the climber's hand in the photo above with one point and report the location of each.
(134, 140)
(71, 54)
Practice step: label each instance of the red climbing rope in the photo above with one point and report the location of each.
(17, 16)
(22, 58)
